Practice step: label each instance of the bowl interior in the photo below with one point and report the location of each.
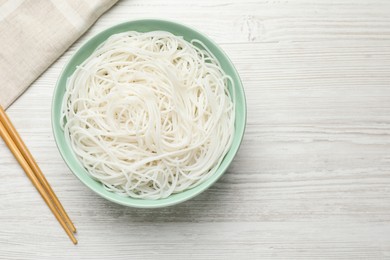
(144, 26)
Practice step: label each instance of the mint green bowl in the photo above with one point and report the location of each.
(144, 26)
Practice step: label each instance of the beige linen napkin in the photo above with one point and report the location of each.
(34, 33)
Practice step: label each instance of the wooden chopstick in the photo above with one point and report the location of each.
(34, 166)
(34, 179)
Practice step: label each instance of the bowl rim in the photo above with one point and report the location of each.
(133, 202)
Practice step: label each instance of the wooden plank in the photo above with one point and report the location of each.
(311, 180)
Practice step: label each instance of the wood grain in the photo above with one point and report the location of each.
(312, 177)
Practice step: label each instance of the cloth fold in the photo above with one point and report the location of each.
(33, 34)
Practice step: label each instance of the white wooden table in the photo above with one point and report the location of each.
(312, 178)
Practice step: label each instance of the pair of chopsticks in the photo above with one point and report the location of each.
(25, 159)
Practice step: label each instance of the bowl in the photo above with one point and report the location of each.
(144, 26)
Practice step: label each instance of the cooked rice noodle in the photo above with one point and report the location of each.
(149, 114)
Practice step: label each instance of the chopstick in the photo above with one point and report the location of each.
(25, 159)
(34, 166)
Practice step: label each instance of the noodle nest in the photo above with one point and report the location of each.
(149, 114)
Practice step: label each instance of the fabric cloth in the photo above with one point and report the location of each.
(34, 33)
